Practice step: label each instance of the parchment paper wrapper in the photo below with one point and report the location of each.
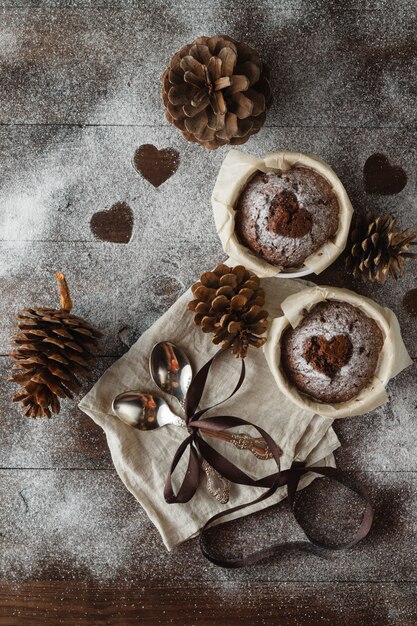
(393, 358)
(236, 170)
(142, 459)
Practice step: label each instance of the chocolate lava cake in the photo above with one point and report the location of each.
(333, 352)
(283, 217)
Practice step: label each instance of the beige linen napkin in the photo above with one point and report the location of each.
(142, 459)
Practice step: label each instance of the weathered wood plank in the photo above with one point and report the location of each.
(85, 525)
(383, 439)
(289, 604)
(55, 178)
(330, 6)
(54, 187)
(124, 290)
(379, 441)
(68, 440)
(80, 64)
(121, 292)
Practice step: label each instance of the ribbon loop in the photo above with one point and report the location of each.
(196, 389)
(289, 477)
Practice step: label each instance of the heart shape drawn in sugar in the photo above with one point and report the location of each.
(410, 302)
(156, 165)
(328, 356)
(380, 177)
(114, 225)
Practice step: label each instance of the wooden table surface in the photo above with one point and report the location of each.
(79, 94)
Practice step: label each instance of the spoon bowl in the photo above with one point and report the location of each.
(170, 369)
(144, 411)
(172, 372)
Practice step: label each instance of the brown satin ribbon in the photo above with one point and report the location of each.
(199, 448)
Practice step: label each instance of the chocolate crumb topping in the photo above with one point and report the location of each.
(286, 217)
(328, 356)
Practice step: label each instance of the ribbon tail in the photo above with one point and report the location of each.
(292, 478)
(191, 479)
(295, 475)
(237, 562)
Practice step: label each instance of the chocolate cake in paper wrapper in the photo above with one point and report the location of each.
(392, 359)
(236, 171)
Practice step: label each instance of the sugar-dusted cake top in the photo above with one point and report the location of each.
(283, 217)
(333, 353)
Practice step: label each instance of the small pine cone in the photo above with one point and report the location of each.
(216, 91)
(228, 303)
(377, 248)
(53, 350)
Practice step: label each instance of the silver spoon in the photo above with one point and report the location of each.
(171, 371)
(145, 411)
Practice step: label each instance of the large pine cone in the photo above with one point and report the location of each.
(216, 91)
(54, 350)
(228, 302)
(377, 248)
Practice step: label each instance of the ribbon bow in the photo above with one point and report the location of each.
(289, 477)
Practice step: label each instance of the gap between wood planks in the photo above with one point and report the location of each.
(164, 126)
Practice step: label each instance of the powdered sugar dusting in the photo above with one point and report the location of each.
(328, 320)
(79, 526)
(313, 195)
(336, 71)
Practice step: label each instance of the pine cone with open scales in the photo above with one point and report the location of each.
(216, 91)
(54, 349)
(228, 303)
(377, 249)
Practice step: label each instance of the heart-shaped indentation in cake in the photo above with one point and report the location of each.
(156, 165)
(328, 356)
(381, 177)
(286, 217)
(114, 225)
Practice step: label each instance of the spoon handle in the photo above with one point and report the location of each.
(217, 485)
(242, 441)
